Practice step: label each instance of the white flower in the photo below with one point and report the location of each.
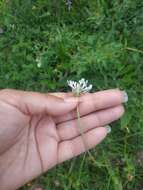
(79, 87)
(69, 4)
(39, 62)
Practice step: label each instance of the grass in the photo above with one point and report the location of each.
(43, 44)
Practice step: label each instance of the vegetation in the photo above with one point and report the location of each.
(44, 43)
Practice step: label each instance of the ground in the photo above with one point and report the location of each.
(44, 43)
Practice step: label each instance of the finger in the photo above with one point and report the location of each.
(70, 129)
(92, 102)
(71, 148)
(38, 103)
(62, 94)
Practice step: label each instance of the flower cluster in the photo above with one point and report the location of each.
(39, 62)
(79, 87)
(69, 4)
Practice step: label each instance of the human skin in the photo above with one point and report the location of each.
(39, 131)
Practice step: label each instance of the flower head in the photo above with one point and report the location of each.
(69, 4)
(79, 87)
(39, 62)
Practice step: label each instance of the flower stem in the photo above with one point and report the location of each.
(82, 136)
(134, 49)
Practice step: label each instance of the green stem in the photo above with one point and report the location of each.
(134, 49)
(83, 137)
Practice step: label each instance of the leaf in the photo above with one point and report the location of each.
(125, 120)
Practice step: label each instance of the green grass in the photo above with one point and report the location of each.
(100, 40)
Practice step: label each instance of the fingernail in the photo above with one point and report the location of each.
(125, 96)
(71, 100)
(108, 128)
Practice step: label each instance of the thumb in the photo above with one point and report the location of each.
(38, 103)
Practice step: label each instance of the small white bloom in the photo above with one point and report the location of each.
(79, 87)
(39, 62)
(69, 4)
(39, 65)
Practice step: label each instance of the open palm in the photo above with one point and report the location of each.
(38, 131)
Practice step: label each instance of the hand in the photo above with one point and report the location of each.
(38, 131)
